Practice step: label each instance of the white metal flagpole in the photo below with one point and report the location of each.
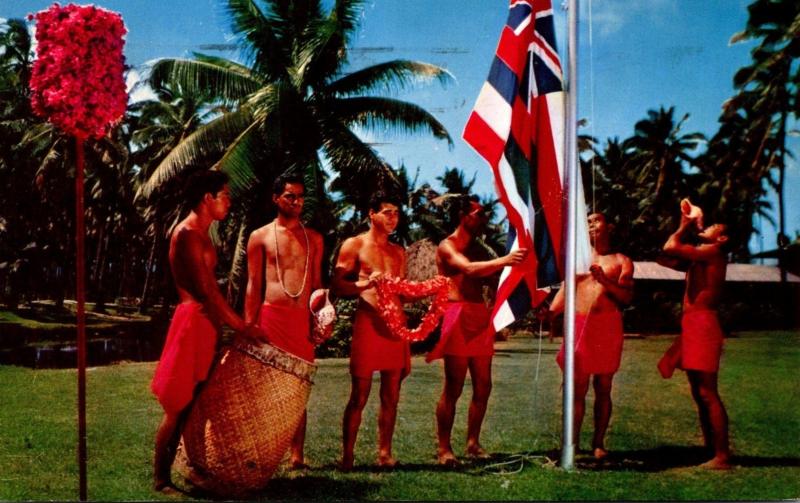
(571, 182)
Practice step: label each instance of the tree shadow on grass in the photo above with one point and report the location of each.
(669, 457)
(764, 461)
(316, 487)
(400, 467)
(527, 351)
(308, 488)
(658, 459)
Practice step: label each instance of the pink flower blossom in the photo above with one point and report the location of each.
(77, 80)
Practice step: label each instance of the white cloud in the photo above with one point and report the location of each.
(611, 16)
(140, 92)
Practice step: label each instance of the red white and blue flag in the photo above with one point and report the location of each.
(517, 126)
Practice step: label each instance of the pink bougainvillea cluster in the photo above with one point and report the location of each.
(77, 81)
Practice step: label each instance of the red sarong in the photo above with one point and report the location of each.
(466, 331)
(373, 347)
(699, 347)
(598, 343)
(288, 328)
(186, 358)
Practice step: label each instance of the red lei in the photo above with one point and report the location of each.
(392, 312)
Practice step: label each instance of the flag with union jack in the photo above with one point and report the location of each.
(517, 126)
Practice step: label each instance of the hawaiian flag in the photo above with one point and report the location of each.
(517, 126)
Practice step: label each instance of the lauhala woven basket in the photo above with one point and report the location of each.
(242, 421)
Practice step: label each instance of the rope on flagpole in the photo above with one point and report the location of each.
(514, 463)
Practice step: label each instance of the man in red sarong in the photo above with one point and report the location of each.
(467, 340)
(192, 337)
(699, 347)
(362, 260)
(285, 256)
(598, 329)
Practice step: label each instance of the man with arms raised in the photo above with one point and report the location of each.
(193, 332)
(699, 347)
(362, 260)
(467, 340)
(599, 297)
(286, 257)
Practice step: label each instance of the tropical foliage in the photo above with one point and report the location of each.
(294, 105)
(291, 101)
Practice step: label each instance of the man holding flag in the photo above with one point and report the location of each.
(467, 340)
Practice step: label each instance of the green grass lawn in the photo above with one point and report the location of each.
(654, 435)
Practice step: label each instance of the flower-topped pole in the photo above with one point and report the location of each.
(77, 84)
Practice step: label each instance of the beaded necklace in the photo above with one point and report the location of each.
(278, 262)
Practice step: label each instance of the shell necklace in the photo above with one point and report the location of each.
(278, 262)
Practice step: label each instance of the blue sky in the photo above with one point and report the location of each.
(643, 54)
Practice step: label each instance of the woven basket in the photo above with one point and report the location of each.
(242, 422)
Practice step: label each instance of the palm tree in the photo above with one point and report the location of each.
(36, 228)
(611, 189)
(36, 158)
(156, 127)
(294, 107)
(658, 147)
(15, 67)
(737, 164)
(770, 86)
(455, 181)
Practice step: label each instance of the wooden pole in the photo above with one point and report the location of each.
(80, 298)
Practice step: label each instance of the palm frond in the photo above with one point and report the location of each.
(324, 49)
(260, 38)
(266, 100)
(238, 268)
(226, 83)
(233, 66)
(389, 77)
(357, 164)
(242, 158)
(314, 186)
(382, 113)
(37, 132)
(209, 139)
(346, 13)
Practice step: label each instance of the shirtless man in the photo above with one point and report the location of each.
(362, 260)
(293, 257)
(598, 329)
(699, 347)
(193, 332)
(467, 341)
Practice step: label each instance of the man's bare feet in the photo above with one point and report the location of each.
(346, 464)
(386, 460)
(166, 488)
(599, 453)
(298, 464)
(475, 451)
(447, 458)
(717, 463)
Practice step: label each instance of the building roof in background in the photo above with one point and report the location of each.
(736, 272)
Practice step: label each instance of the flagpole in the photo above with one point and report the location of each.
(571, 178)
